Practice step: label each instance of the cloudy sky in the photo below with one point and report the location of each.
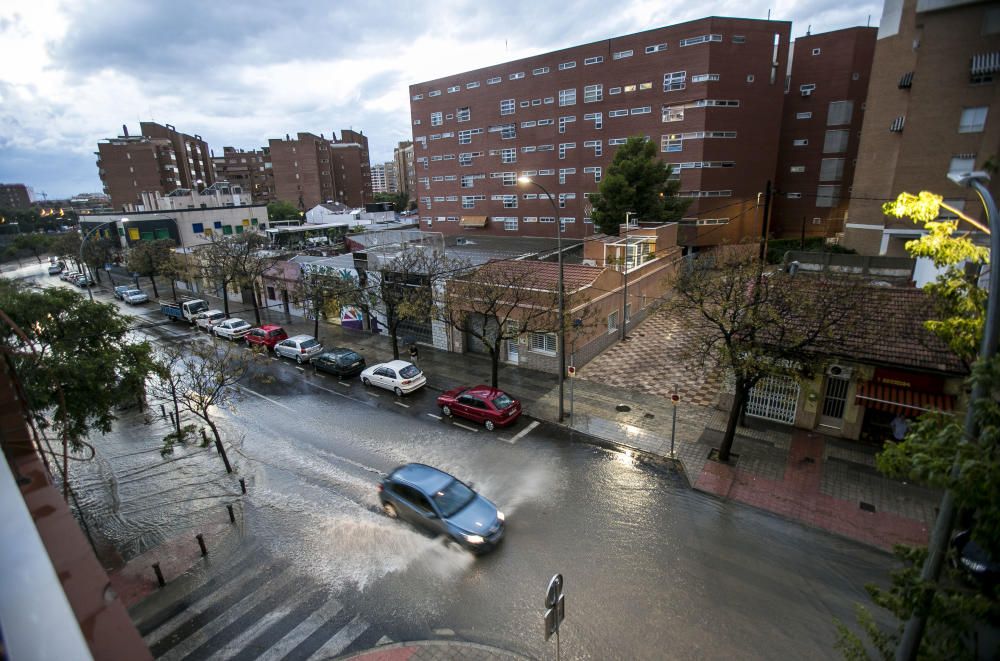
(72, 72)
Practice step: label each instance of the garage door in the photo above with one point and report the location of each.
(475, 324)
(774, 398)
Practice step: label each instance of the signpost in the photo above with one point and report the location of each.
(673, 426)
(555, 609)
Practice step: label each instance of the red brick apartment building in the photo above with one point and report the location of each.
(311, 169)
(249, 169)
(159, 159)
(932, 108)
(14, 196)
(821, 122)
(708, 92)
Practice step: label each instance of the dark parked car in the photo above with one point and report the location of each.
(974, 560)
(442, 504)
(340, 361)
(483, 404)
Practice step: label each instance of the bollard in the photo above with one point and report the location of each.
(243, 485)
(201, 543)
(163, 411)
(159, 574)
(232, 516)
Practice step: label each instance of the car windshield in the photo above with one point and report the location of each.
(220, 315)
(201, 307)
(348, 358)
(309, 344)
(453, 498)
(409, 372)
(502, 401)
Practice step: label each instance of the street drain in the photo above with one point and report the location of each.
(868, 507)
(623, 408)
(649, 416)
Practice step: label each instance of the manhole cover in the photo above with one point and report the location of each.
(623, 408)
(868, 507)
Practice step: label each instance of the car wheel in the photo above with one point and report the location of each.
(298, 359)
(390, 510)
(365, 381)
(446, 411)
(399, 393)
(490, 426)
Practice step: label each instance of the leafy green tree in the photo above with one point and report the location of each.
(36, 244)
(757, 324)
(281, 210)
(76, 359)
(323, 293)
(399, 201)
(150, 259)
(637, 181)
(958, 609)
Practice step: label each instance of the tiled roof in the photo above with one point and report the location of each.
(887, 328)
(575, 276)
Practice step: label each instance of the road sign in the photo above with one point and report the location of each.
(555, 603)
(675, 398)
(570, 370)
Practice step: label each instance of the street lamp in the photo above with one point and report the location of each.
(909, 644)
(628, 214)
(562, 325)
(86, 235)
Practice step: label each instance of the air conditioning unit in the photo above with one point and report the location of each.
(839, 371)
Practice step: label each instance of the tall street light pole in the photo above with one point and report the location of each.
(562, 312)
(913, 632)
(628, 214)
(83, 241)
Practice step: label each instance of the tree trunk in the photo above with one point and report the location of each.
(177, 413)
(225, 298)
(218, 443)
(395, 341)
(495, 364)
(256, 306)
(152, 281)
(739, 400)
(173, 291)
(315, 322)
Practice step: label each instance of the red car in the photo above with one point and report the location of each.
(489, 406)
(266, 336)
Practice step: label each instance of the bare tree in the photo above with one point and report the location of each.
(251, 261)
(208, 380)
(151, 258)
(323, 293)
(759, 324)
(499, 301)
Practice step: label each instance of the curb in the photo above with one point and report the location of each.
(433, 650)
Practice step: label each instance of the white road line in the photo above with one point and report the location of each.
(398, 403)
(344, 383)
(302, 631)
(276, 403)
(374, 394)
(524, 432)
(459, 424)
(300, 368)
(436, 417)
(339, 642)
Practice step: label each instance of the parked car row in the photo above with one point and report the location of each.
(74, 277)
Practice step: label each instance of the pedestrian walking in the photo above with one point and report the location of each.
(414, 353)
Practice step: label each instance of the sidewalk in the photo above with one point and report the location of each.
(808, 477)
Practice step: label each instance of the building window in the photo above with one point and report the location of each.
(467, 181)
(567, 65)
(508, 132)
(473, 85)
(831, 169)
(739, 39)
(593, 60)
(507, 107)
(749, 77)
(567, 97)
(623, 112)
(516, 76)
(962, 164)
(794, 196)
(622, 54)
(655, 48)
(563, 121)
(596, 171)
(595, 144)
(435, 119)
(807, 89)
(630, 88)
(509, 179)
(643, 110)
(463, 115)
(510, 223)
(417, 97)
(456, 88)
(525, 104)
(617, 141)
(816, 51)
(510, 201)
(835, 141)
(613, 322)
(494, 81)
(703, 39)
(797, 168)
(562, 175)
(704, 77)
(827, 196)
(839, 113)
(803, 115)
(674, 81)
(596, 117)
(508, 155)
(540, 71)
(434, 93)
(614, 90)
(197, 228)
(593, 93)
(544, 343)
(673, 113)
(671, 142)
(800, 142)
(973, 120)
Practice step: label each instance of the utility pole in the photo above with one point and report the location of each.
(628, 214)
(764, 222)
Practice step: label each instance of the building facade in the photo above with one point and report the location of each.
(932, 109)
(822, 118)
(406, 173)
(378, 178)
(250, 169)
(14, 196)
(159, 159)
(709, 93)
(311, 169)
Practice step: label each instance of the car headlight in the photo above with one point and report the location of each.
(474, 539)
(500, 515)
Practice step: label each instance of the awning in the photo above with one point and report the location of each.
(985, 63)
(901, 400)
(473, 221)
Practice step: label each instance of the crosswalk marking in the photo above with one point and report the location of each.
(341, 640)
(293, 638)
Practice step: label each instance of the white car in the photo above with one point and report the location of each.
(232, 328)
(135, 296)
(209, 318)
(398, 376)
(300, 347)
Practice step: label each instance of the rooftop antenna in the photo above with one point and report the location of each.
(869, 20)
(769, 14)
